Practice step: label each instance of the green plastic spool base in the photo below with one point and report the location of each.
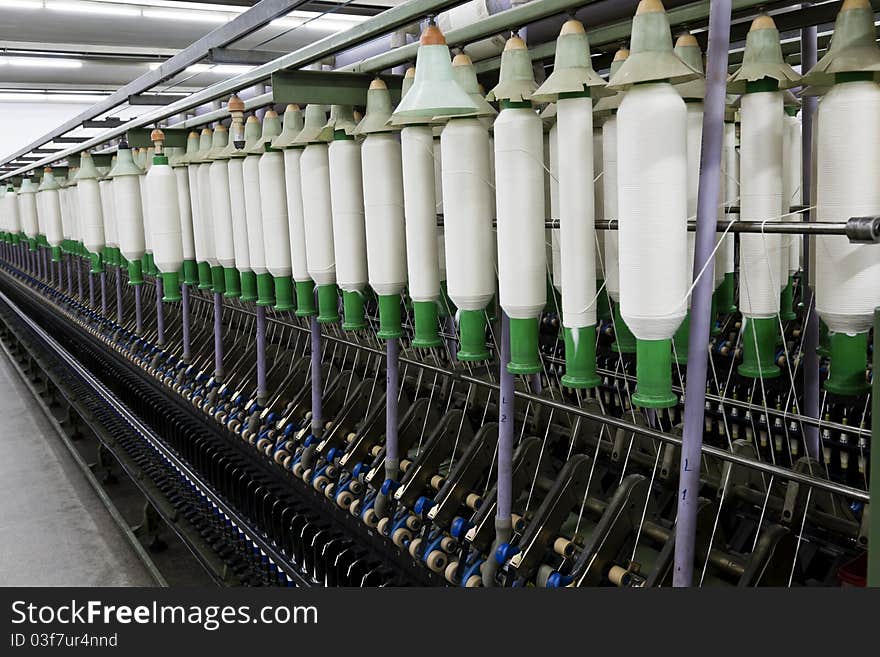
(170, 287)
(681, 341)
(232, 282)
(426, 335)
(786, 301)
(580, 357)
(472, 336)
(204, 276)
(726, 293)
(759, 348)
(56, 254)
(190, 272)
(524, 357)
(824, 348)
(305, 298)
(654, 375)
(135, 273)
(389, 317)
(218, 284)
(328, 304)
(284, 293)
(849, 362)
(624, 340)
(248, 286)
(265, 290)
(97, 266)
(353, 310)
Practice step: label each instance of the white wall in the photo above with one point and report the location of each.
(23, 122)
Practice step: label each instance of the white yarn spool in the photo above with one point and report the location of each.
(652, 205)
(598, 201)
(221, 212)
(347, 203)
(760, 200)
(608, 183)
(10, 212)
(111, 238)
(52, 217)
(438, 176)
(383, 213)
(254, 211)
(793, 162)
(184, 209)
(315, 177)
(420, 209)
(206, 204)
(89, 197)
(725, 253)
(145, 213)
(237, 203)
(296, 220)
(848, 146)
(75, 223)
(468, 209)
(64, 197)
(161, 185)
(552, 175)
(694, 146)
(577, 218)
(273, 195)
(129, 216)
(192, 173)
(519, 186)
(27, 210)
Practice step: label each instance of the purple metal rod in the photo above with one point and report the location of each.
(119, 296)
(69, 275)
(79, 279)
(218, 336)
(160, 317)
(91, 290)
(701, 302)
(505, 428)
(138, 311)
(184, 309)
(104, 293)
(60, 283)
(261, 355)
(47, 270)
(811, 330)
(317, 420)
(392, 384)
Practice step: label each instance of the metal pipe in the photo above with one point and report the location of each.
(91, 290)
(392, 383)
(218, 336)
(317, 421)
(874, 527)
(810, 361)
(701, 303)
(138, 311)
(185, 321)
(70, 277)
(262, 392)
(160, 317)
(505, 427)
(104, 293)
(119, 311)
(79, 279)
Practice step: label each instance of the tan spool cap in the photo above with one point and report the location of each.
(461, 59)
(649, 6)
(621, 54)
(855, 4)
(252, 119)
(617, 574)
(563, 547)
(378, 83)
(572, 26)
(157, 135)
(206, 131)
(270, 114)
(47, 170)
(686, 39)
(410, 72)
(220, 128)
(235, 104)
(293, 107)
(192, 134)
(762, 22)
(515, 43)
(432, 36)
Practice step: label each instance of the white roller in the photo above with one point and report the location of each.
(598, 199)
(254, 211)
(111, 237)
(793, 163)
(276, 231)
(184, 209)
(848, 146)
(577, 218)
(192, 174)
(347, 203)
(52, 217)
(315, 178)
(129, 216)
(295, 218)
(91, 217)
(206, 204)
(221, 209)
(760, 200)
(519, 189)
(27, 210)
(652, 204)
(468, 209)
(10, 212)
(239, 215)
(552, 143)
(608, 182)
(165, 218)
(420, 207)
(694, 145)
(383, 213)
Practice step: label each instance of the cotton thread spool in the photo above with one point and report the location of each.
(791, 244)
(254, 212)
(192, 172)
(276, 233)
(184, 211)
(129, 213)
(603, 300)
(201, 228)
(52, 211)
(161, 185)
(305, 303)
(725, 255)
(221, 207)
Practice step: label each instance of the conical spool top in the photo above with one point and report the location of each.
(271, 130)
(762, 59)
(176, 155)
(87, 168)
(853, 46)
(313, 123)
(253, 129)
(291, 126)
(341, 120)
(27, 186)
(378, 110)
(516, 81)
(409, 77)
(572, 67)
(235, 104)
(206, 143)
(434, 91)
(125, 165)
(48, 182)
(688, 50)
(192, 147)
(219, 142)
(466, 76)
(651, 57)
(610, 103)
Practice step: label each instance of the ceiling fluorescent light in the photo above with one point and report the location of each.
(186, 15)
(41, 62)
(97, 8)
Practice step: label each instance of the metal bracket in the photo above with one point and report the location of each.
(328, 87)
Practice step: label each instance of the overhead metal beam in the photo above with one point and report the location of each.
(61, 140)
(153, 99)
(236, 56)
(109, 122)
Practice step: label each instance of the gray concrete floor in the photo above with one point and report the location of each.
(54, 529)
